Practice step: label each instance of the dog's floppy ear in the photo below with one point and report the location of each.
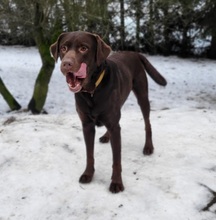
(54, 48)
(54, 51)
(103, 50)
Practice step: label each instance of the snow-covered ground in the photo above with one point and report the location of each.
(42, 156)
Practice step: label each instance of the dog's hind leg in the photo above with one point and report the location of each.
(141, 93)
(105, 138)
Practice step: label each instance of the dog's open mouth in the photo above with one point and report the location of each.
(74, 83)
(75, 79)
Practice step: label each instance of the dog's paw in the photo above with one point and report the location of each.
(116, 187)
(104, 139)
(148, 150)
(85, 178)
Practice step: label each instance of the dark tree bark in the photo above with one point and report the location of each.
(138, 15)
(11, 101)
(149, 28)
(122, 27)
(212, 17)
(41, 85)
(212, 49)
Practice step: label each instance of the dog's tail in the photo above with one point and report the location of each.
(155, 75)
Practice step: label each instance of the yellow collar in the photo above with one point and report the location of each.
(99, 79)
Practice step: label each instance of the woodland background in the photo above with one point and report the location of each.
(182, 27)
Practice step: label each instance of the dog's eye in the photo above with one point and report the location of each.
(83, 49)
(63, 49)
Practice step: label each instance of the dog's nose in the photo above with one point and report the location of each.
(66, 66)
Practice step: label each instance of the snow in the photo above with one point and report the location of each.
(42, 156)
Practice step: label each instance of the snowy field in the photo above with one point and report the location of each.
(42, 156)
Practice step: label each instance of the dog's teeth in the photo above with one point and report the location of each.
(70, 86)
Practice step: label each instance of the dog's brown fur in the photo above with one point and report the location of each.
(101, 105)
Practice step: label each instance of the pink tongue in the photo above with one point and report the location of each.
(81, 73)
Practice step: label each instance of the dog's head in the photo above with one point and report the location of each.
(81, 53)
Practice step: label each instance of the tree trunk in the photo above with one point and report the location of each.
(122, 28)
(185, 44)
(212, 49)
(71, 13)
(41, 85)
(11, 101)
(138, 17)
(151, 34)
(166, 50)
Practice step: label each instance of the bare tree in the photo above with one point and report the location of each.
(39, 18)
(11, 101)
(122, 25)
(43, 43)
(207, 22)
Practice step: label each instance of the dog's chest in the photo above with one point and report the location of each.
(92, 104)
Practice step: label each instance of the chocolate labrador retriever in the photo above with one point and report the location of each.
(102, 81)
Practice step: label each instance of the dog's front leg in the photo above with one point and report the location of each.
(115, 139)
(89, 136)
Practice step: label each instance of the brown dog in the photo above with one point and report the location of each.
(101, 84)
